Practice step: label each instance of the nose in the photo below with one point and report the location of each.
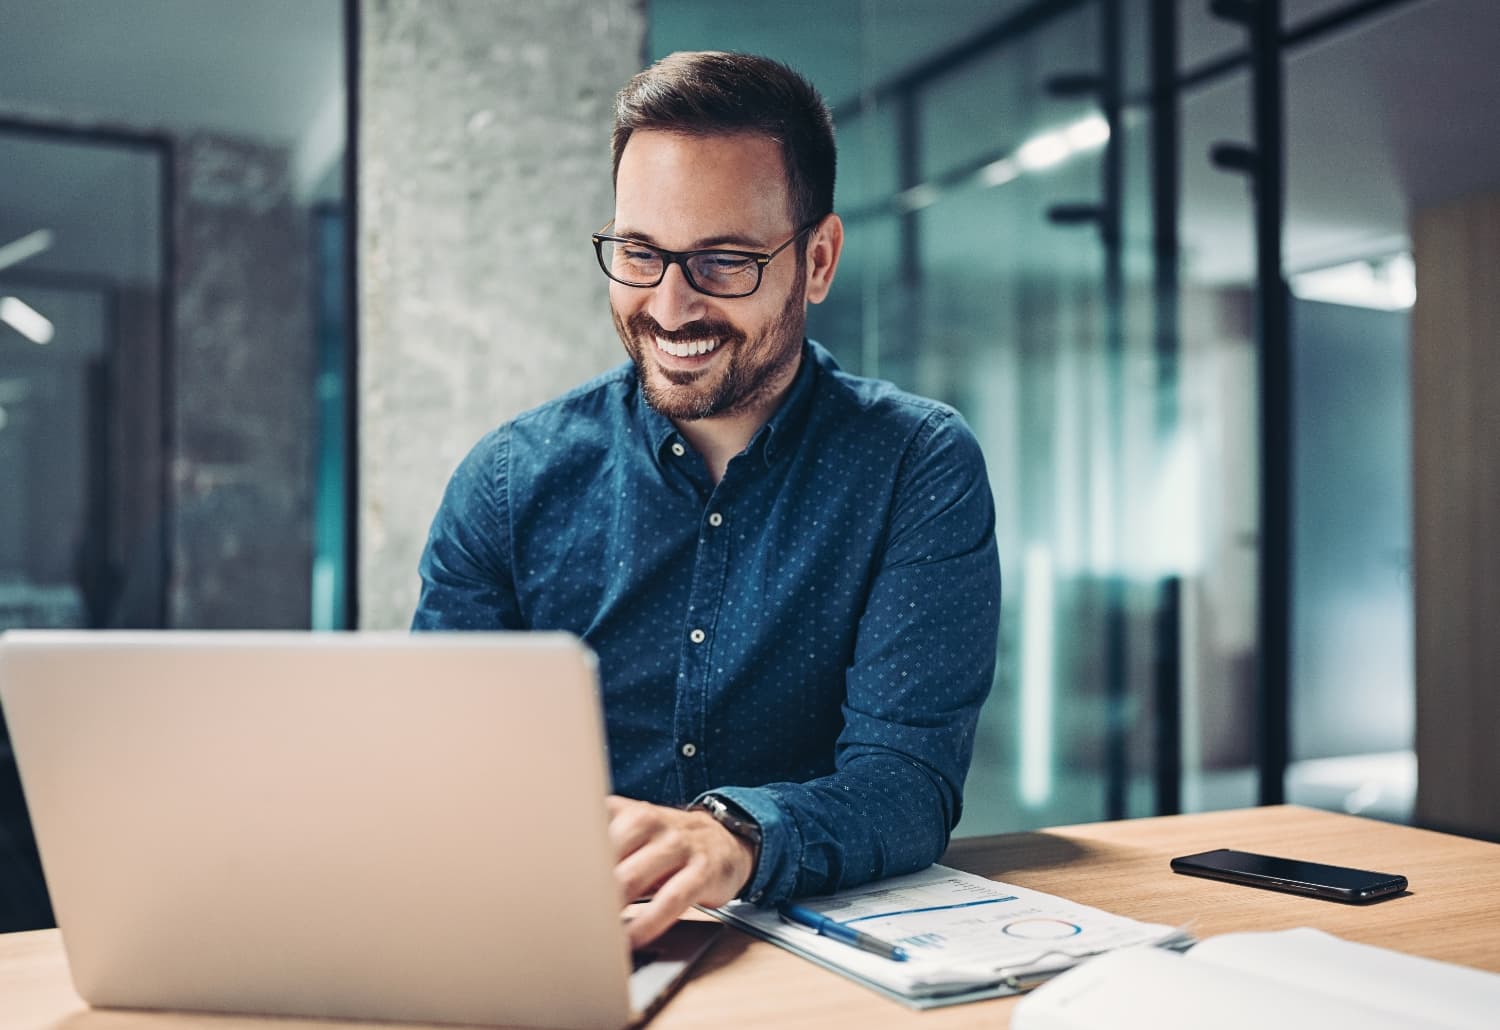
(673, 303)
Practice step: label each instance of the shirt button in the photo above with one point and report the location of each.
(689, 749)
(678, 449)
(716, 519)
(697, 636)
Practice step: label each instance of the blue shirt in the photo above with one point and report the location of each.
(812, 638)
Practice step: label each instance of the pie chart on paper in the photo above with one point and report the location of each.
(1041, 929)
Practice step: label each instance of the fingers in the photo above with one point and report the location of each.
(631, 824)
(685, 858)
(652, 843)
(656, 916)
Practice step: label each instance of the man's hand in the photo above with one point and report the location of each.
(684, 858)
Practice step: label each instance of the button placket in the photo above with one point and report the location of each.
(705, 601)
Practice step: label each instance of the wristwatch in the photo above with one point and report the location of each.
(730, 816)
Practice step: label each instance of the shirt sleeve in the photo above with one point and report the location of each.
(923, 663)
(466, 566)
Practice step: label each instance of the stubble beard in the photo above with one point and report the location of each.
(741, 386)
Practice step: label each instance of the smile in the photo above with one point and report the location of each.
(687, 348)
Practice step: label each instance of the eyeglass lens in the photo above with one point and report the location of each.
(717, 272)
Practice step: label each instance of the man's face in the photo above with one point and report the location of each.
(698, 356)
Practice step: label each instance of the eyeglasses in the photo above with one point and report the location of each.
(718, 273)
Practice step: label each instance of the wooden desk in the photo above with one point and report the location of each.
(1452, 913)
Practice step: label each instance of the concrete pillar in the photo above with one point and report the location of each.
(483, 148)
(242, 390)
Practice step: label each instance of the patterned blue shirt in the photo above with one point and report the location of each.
(812, 638)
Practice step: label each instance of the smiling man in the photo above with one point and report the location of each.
(788, 573)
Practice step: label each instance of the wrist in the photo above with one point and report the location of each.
(740, 826)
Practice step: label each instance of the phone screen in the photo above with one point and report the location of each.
(1291, 874)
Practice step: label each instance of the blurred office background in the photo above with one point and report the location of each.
(1246, 531)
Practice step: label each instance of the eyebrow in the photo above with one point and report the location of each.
(704, 243)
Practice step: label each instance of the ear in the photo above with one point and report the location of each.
(823, 257)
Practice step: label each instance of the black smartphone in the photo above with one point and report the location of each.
(1334, 882)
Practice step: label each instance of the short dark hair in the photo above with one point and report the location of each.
(712, 93)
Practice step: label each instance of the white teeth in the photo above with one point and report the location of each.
(687, 349)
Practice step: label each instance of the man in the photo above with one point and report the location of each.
(788, 573)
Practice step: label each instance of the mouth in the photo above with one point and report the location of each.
(693, 351)
(687, 348)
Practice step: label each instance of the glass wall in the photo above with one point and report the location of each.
(171, 190)
(985, 267)
(80, 361)
(1117, 389)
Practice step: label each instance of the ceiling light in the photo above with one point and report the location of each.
(1089, 134)
(918, 197)
(30, 245)
(1385, 285)
(998, 173)
(1045, 151)
(26, 320)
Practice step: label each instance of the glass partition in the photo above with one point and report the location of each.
(979, 270)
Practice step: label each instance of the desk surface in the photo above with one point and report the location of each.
(1452, 913)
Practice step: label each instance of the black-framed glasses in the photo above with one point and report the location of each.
(718, 273)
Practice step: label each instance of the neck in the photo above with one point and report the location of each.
(719, 438)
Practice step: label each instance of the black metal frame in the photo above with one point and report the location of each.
(352, 62)
(1264, 162)
(1299, 35)
(1166, 190)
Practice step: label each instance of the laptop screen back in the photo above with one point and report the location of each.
(387, 827)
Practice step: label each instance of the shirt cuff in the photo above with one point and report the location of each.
(776, 866)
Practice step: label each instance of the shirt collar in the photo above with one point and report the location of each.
(659, 430)
(772, 441)
(778, 437)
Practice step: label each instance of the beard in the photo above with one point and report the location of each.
(753, 370)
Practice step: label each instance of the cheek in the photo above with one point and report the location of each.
(624, 300)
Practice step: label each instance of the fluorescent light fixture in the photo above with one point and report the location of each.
(1388, 284)
(1048, 150)
(26, 320)
(1178, 525)
(1089, 134)
(998, 173)
(1036, 723)
(918, 197)
(30, 245)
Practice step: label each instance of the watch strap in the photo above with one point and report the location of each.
(730, 816)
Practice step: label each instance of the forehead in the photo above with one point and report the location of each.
(683, 190)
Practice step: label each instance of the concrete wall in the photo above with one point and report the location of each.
(484, 165)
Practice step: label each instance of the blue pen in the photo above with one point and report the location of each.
(835, 930)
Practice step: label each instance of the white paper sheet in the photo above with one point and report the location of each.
(962, 931)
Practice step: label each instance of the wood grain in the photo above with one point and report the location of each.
(1452, 912)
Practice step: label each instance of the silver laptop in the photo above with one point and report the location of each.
(382, 827)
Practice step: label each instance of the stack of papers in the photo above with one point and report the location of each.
(1302, 979)
(967, 937)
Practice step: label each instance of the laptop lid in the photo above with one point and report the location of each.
(389, 827)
